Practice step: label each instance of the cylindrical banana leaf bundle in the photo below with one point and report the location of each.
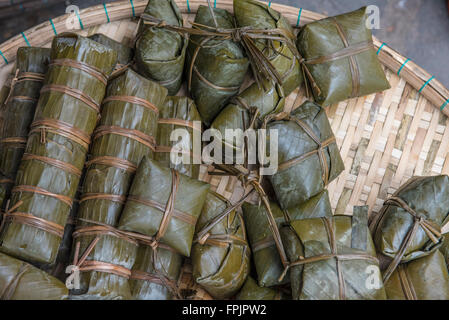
(426, 278)
(409, 225)
(50, 170)
(247, 110)
(258, 15)
(22, 281)
(308, 156)
(124, 53)
(155, 273)
(178, 113)
(165, 205)
(252, 291)
(160, 53)
(125, 133)
(266, 257)
(333, 258)
(340, 55)
(221, 254)
(103, 257)
(216, 68)
(18, 112)
(123, 137)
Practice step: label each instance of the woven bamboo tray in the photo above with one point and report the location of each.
(384, 139)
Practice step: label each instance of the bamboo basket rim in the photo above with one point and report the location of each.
(417, 77)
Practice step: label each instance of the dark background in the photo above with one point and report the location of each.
(418, 29)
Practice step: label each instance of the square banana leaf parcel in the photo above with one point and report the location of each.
(333, 258)
(164, 204)
(409, 225)
(266, 257)
(215, 68)
(258, 15)
(308, 156)
(22, 281)
(160, 53)
(340, 55)
(426, 278)
(124, 53)
(221, 256)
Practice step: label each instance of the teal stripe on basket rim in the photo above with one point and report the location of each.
(26, 40)
(132, 7)
(188, 6)
(106, 11)
(215, 3)
(299, 17)
(444, 105)
(425, 84)
(4, 58)
(79, 19)
(269, 3)
(403, 65)
(53, 26)
(380, 48)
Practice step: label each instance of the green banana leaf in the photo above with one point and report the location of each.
(124, 53)
(266, 258)
(258, 15)
(57, 183)
(445, 249)
(147, 201)
(319, 279)
(238, 113)
(4, 91)
(425, 278)
(175, 109)
(19, 112)
(341, 76)
(111, 249)
(160, 278)
(105, 178)
(219, 68)
(252, 291)
(301, 174)
(221, 261)
(22, 281)
(160, 53)
(428, 197)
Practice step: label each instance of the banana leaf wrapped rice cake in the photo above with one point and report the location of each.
(247, 110)
(160, 53)
(178, 113)
(155, 273)
(123, 137)
(426, 278)
(22, 281)
(220, 254)
(50, 170)
(445, 249)
(340, 55)
(409, 225)
(165, 205)
(266, 257)
(258, 15)
(308, 156)
(332, 258)
(215, 67)
(18, 112)
(252, 291)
